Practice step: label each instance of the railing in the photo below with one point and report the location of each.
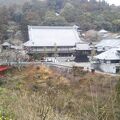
(49, 64)
(49, 50)
(19, 63)
(93, 62)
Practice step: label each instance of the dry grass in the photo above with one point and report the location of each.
(39, 93)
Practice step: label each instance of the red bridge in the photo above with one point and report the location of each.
(2, 69)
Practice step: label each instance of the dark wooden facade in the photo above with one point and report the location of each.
(82, 55)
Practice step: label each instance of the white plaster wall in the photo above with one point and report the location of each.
(61, 59)
(109, 68)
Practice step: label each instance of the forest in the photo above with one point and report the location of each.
(86, 14)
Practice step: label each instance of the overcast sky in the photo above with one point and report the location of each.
(116, 2)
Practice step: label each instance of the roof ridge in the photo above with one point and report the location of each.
(51, 27)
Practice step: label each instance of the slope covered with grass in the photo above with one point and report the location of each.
(42, 93)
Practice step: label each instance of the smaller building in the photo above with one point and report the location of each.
(82, 52)
(6, 45)
(108, 61)
(103, 34)
(102, 31)
(117, 37)
(107, 44)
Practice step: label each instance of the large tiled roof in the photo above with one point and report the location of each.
(52, 35)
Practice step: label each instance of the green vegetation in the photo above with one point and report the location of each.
(40, 93)
(30, 94)
(86, 14)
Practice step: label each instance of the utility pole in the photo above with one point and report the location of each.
(93, 53)
(55, 51)
(45, 53)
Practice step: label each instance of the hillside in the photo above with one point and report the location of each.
(41, 93)
(10, 2)
(88, 15)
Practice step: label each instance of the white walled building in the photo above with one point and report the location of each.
(108, 61)
(107, 44)
(52, 39)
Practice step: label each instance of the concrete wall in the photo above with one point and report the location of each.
(109, 68)
(60, 59)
